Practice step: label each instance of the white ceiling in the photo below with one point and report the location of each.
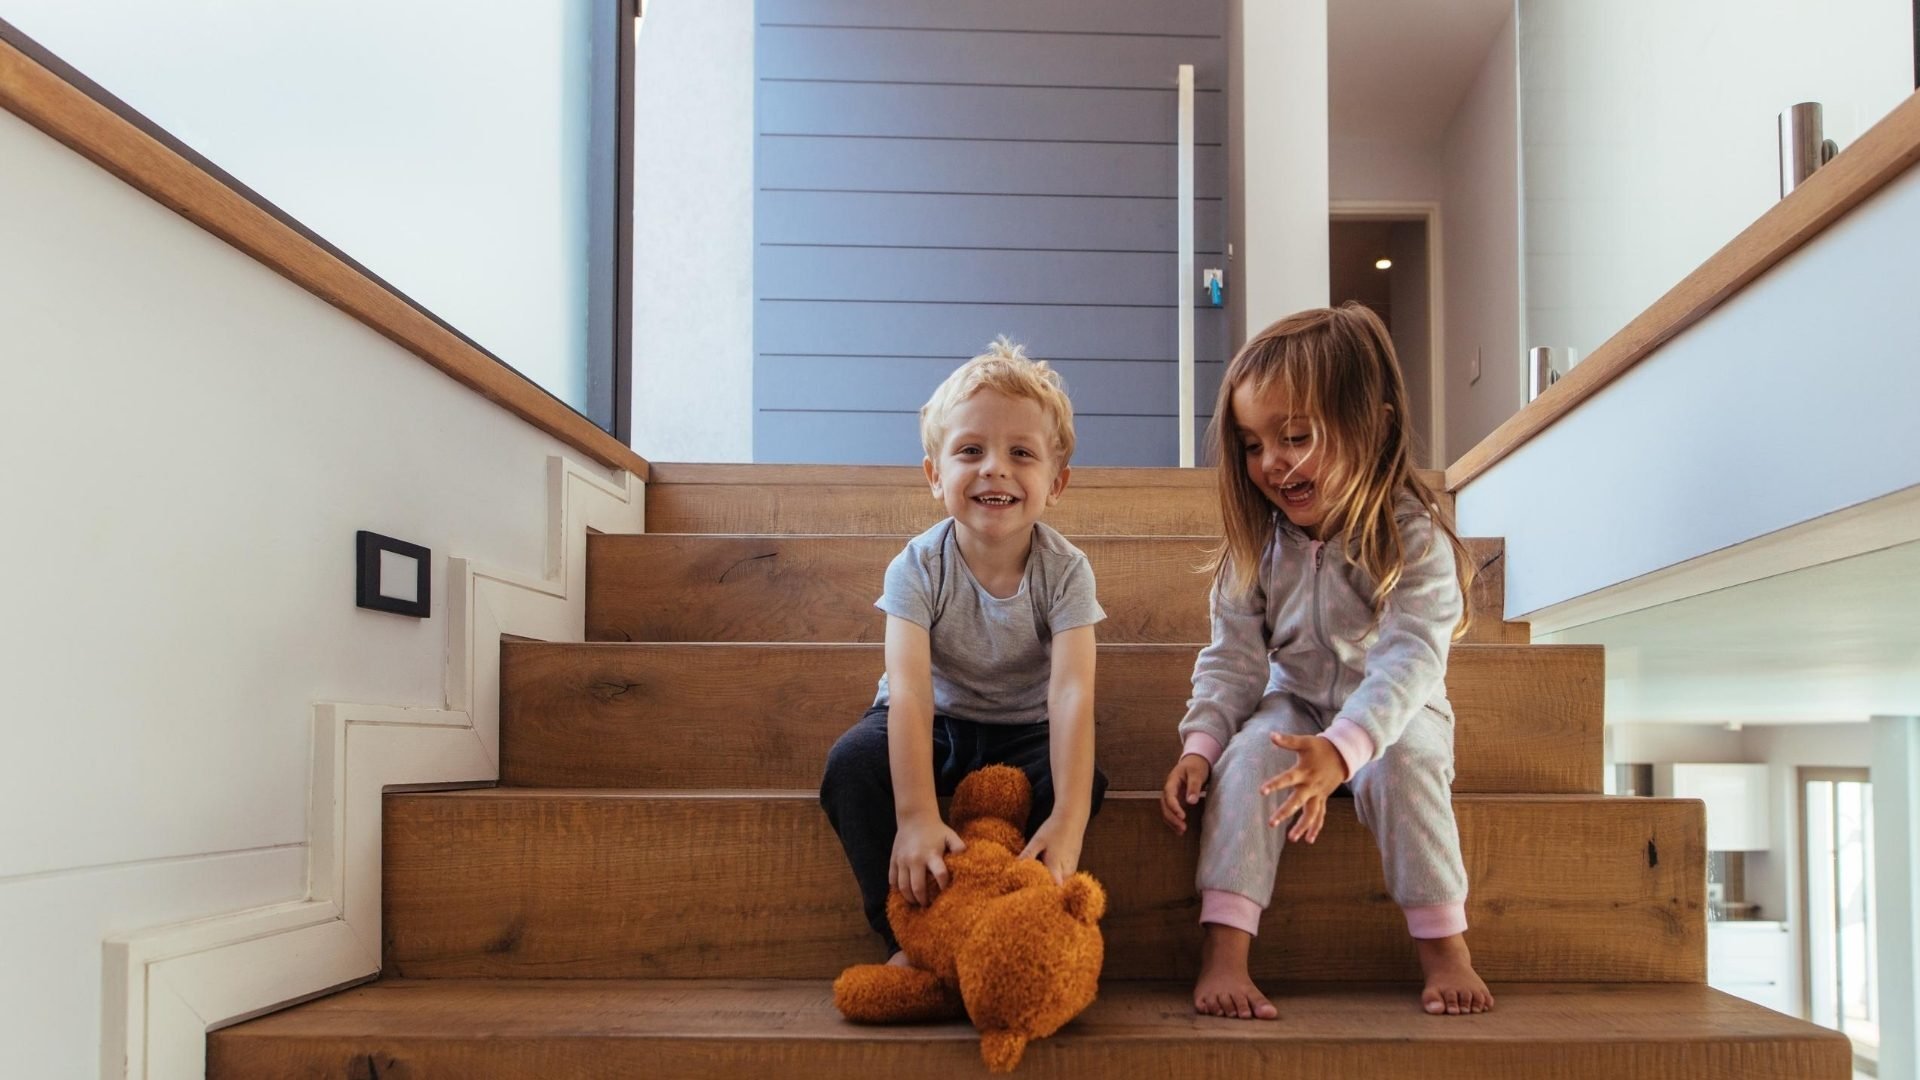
(1832, 643)
(1397, 69)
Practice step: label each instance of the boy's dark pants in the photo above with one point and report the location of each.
(858, 789)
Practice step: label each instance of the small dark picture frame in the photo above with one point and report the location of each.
(368, 595)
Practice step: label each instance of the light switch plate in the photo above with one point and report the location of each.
(1473, 369)
(392, 575)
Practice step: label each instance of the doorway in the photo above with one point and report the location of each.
(1388, 258)
(1836, 859)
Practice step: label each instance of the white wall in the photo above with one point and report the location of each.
(1384, 170)
(1278, 159)
(1480, 246)
(1650, 139)
(442, 144)
(1791, 400)
(693, 232)
(191, 442)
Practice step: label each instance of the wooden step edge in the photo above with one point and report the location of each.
(741, 474)
(1481, 648)
(548, 794)
(485, 1029)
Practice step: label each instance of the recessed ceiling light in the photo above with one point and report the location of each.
(1383, 264)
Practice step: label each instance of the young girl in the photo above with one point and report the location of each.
(1335, 596)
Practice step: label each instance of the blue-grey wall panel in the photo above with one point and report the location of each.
(977, 112)
(958, 330)
(962, 56)
(894, 439)
(931, 174)
(988, 277)
(911, 220)
(1101, 17)
(903, 383)
(826, 162)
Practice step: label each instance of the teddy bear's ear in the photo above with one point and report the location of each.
(1086, 900)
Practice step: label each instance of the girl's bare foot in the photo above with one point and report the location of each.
(1224, 988)
(1453, 987)
(899, 959)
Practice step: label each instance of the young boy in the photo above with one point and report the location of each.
(989, 645)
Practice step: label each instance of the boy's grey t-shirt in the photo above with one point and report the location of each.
(992, 658)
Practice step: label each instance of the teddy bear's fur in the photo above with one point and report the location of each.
(1002, 943)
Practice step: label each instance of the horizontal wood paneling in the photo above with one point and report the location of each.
(1528, 718)
(961, 330)
(826, 162)
(985, 277)
(964, 220)
(894, 438)
(903, 383)
(513, 1029)
(1177, 18)
(1007, 57)
(891, 138)
(514, 882)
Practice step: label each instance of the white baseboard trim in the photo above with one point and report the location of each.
(165, 988)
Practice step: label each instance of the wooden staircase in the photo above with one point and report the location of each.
(653, 890)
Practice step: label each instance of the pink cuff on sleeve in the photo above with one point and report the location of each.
(1203, 744)
(1436, 921)
(1353, 742)
(1230, 909)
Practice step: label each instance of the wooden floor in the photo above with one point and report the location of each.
(482, 1030)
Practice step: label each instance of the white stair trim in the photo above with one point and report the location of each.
(167, 987)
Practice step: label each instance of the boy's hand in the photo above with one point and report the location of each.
(1186, 785)
(1318, 771)
(919, 867)
(1057, 845)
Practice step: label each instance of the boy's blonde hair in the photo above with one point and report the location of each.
(1007, 368)
(1338, 364)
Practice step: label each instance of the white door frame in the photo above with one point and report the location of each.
(1428, 213)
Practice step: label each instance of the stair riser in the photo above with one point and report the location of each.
(806, 499)
(503, 884)
(780, 508)
(1528, 718)
(721, 588)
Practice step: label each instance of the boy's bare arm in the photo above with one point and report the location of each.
(1070, 716)
(921, 842)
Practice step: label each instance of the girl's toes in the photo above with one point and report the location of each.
(1454, 1004)
(1431, 1000)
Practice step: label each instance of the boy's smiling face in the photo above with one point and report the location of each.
(997, 468)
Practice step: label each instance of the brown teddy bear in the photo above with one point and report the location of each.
(1002, 943)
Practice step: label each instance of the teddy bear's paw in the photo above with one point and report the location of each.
(1002, 1049)
(1086, 901)
(891, 994)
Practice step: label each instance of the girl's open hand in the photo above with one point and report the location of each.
(1186, 785)
(1313, 777)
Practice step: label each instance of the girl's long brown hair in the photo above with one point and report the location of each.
(1338, 363)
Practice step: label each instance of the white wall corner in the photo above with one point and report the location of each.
(167, 987)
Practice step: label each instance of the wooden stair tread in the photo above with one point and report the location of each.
(611, 714)
(673, 587)
(487, 1029)
(596, 884)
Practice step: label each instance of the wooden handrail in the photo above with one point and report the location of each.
(173, 176)
(1887, 149)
